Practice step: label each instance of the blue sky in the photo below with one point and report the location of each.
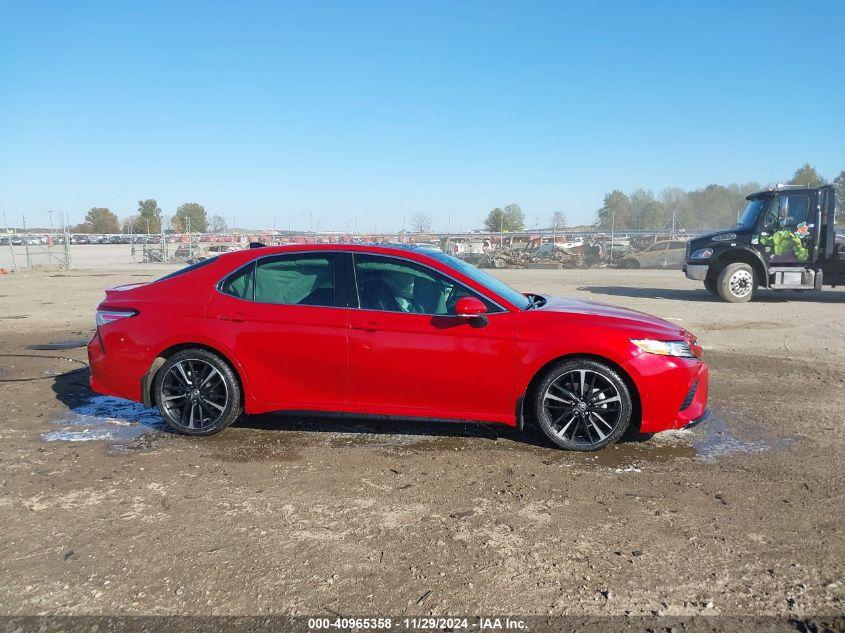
(378, 110)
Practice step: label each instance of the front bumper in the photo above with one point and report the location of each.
(698, 420)
(673, 391)
(698, 272)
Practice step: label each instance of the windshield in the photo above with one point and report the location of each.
(749, 216)
(485, 279)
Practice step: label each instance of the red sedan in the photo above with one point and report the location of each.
(369, 330)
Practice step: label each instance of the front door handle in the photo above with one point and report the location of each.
(367, 326)
(237, 317)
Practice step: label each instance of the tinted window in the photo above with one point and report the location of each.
(397, 285)
(240, 284)
(495, 285)
(296, 280)
(797, 210)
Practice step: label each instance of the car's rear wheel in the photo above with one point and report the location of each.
(197, 392)
(582, 405)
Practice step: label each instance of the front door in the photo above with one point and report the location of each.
(285, 320)
(787, 230)
(409, 354)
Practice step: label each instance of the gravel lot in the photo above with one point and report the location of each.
(742, 516)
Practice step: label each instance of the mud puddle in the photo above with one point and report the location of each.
(726, 433)
(130, 426)
(126, 425)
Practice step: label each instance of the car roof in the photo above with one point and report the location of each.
(361, 247)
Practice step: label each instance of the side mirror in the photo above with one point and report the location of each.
(470, 308)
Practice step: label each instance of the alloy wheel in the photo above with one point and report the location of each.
(583, 406)
(194, 394)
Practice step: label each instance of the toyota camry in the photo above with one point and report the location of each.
(389, 331)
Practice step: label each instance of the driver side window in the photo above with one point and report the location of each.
(397, 285)
(788, 211)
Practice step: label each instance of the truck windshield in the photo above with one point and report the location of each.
(749, 217)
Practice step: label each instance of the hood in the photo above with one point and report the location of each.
(708, 238)
(633, 319)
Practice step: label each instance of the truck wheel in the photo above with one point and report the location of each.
(736, 283)
(710, 284)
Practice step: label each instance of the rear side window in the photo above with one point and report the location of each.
(296, 280)
(240, 284)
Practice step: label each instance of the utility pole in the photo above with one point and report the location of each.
(26, 242)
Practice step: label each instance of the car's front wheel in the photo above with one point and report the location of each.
(197, 392)
(582, 405)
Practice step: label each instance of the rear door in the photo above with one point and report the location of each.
(409, 354)
(285, 320)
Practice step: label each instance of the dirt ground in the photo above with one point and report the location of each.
(741, 516)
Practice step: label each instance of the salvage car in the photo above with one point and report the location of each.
(667, 254)
(389, 331)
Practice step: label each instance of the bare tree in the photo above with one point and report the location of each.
(559, 220)
(421, 223)
(217, 224)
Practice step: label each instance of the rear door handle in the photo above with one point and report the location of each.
(368, 326)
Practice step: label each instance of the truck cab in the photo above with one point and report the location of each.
(784, 240)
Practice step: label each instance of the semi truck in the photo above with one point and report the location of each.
(784, 240)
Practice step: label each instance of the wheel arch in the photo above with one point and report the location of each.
(526, 400)
(745, 256)
(148, 379)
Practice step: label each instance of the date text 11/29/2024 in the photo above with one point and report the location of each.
(420, 623)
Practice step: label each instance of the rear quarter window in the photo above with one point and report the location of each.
(241, 283)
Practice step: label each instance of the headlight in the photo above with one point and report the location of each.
(702, 253)
(664, 348)
(725, 237)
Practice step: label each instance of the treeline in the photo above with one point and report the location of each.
(190, 216)
(713, 207)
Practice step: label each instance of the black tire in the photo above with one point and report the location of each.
(710, 283)
(598, 410)
(630, 264)
(737, 283)
(197, 392)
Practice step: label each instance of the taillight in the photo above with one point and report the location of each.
(106, 316)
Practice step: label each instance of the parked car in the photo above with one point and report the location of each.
(394, 331)
(668, 254)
